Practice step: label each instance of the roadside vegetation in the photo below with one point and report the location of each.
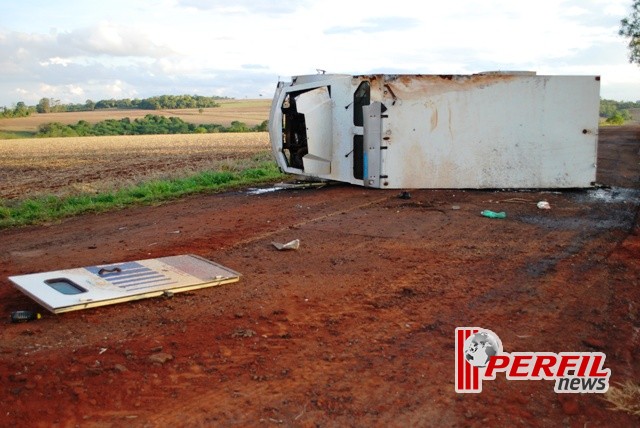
(232, 175)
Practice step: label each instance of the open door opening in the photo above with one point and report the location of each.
(307, 130)
(294, 135)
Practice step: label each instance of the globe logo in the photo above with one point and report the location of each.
(481, 346)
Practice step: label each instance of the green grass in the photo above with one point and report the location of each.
(48, 208)
(12, 135)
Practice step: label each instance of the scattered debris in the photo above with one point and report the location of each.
(243, 332)
(455, 207)
(493, 214)
(160, 358)
(302, 412)
(291, 245)
(544, 205)
(515, 201)
(405, 195)
(24, 316)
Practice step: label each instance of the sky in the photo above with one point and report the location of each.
(78, 50)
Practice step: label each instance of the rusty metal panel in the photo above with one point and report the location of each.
(490, 130)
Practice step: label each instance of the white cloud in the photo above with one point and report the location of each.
(376, 25)
(240, 48)
(268, 7)
(56, 61)
(75, 90)
(114, 40)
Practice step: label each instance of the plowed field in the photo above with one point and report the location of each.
(33, 166)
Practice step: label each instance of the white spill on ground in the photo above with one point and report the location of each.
(255, 191)
(283, 186)
(614, 195)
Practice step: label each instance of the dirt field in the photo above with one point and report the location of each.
(90, 164)
(251, 112)
(356, 328)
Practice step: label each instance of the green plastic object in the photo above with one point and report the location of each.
(493, 214)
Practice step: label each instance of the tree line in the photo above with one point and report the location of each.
(20, 110)
(149, 125)
(51, 105)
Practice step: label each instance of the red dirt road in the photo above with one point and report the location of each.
(356, 328)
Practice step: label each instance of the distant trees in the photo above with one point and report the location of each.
(616, 112)
(44, 106)
(178, 102)
(161, 102)
(50, 105)
(630, 28)
(20, 110)
(150, 124)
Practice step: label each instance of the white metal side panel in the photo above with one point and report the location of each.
(487, 131)
(317, 110)
(120, 282)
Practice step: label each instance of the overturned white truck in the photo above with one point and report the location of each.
(487, 130)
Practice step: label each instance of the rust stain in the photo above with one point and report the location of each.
(415, 86)
(393, 95)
